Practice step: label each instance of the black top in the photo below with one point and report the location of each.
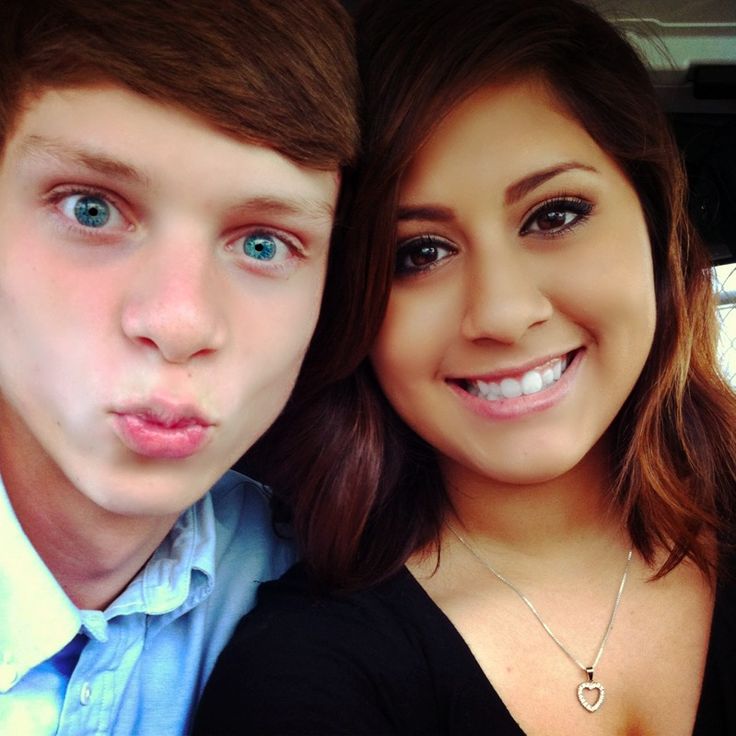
(387, 661)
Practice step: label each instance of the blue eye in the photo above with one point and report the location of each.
(266, 251)
(259, 246)
(91, 211)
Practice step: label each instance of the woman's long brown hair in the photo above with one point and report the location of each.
(364, 491)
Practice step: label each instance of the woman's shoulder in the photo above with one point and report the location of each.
(293, 612)
(309, 662)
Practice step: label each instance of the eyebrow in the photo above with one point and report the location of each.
(426, 213)
(110, 166)
(521, 188)
(513, 193)
(286, 206)
(84, 157)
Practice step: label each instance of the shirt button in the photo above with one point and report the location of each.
(85, 694)
(8, 673)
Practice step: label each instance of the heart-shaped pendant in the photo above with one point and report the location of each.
(591, 707)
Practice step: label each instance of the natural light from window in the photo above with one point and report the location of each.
(725, 284)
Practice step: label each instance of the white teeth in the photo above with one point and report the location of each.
(510, 388)
(490, 390)
(531, 382)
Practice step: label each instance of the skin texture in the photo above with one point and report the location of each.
(114, 337)
(503, 295)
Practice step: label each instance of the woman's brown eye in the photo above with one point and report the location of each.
(552, 220)
(423, 255)
(557, 216)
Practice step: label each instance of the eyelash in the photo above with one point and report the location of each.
(412, 246)
(561, 203)
(56, 197)
(250, 263)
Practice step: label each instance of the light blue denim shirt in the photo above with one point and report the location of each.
(142, 663)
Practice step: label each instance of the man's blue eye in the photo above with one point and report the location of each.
(91, 211)
(260, 247)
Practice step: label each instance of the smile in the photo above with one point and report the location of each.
(511, 387)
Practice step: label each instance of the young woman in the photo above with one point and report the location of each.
(517, 514)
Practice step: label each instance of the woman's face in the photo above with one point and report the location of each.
(523, 305)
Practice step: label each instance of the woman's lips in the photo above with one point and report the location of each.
(514, 396)
(524, 383)
(161, 435)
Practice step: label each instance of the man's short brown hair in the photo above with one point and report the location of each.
(279, 73)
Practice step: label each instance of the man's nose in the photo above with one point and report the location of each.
(174, 306)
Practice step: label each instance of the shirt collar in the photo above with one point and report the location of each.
(181, 571)
(37, 618)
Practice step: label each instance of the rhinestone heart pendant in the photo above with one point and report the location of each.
(591, 707)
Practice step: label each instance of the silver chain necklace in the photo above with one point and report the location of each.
(591, 683)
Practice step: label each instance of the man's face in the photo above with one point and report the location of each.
(159, 285)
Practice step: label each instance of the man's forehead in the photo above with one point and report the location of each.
(87, 94)
(124, 149)
(96, 160)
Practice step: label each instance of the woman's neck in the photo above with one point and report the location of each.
(537, 518)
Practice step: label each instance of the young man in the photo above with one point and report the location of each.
(168, 178)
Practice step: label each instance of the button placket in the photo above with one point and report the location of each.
(85, 693)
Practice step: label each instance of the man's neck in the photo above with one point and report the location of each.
(92, 553)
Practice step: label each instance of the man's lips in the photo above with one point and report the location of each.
(161, 430)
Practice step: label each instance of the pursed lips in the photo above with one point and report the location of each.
(162, 429)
